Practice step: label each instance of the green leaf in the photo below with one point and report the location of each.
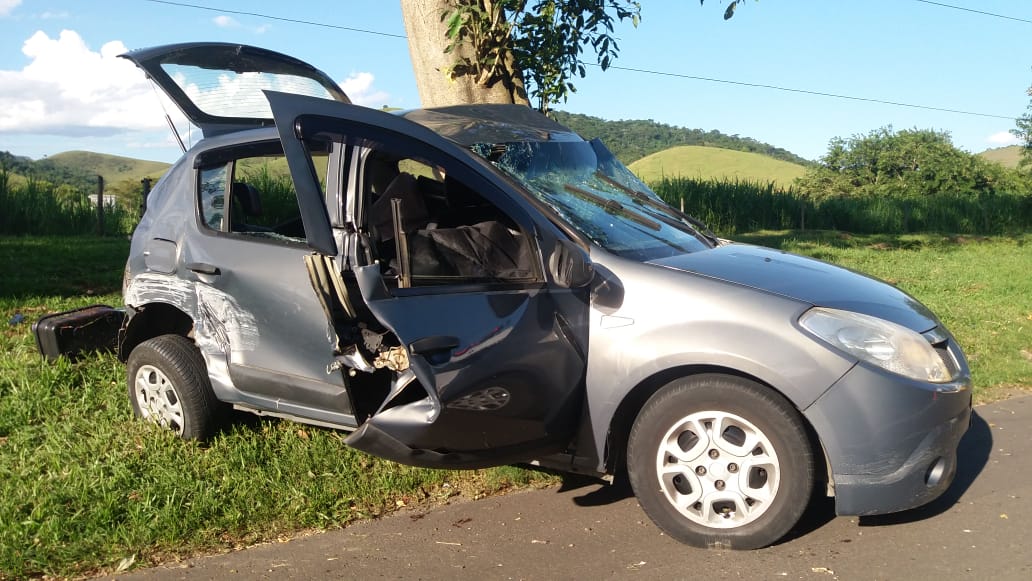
(454, 24)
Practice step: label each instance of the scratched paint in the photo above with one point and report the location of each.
(234, 327)
(220, 323)
(150, 288)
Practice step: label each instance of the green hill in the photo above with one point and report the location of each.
(79, 169)
(713, 162)
(631, 140)
(113, 168)
(1006, 156)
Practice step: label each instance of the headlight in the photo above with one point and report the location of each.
(887, 345)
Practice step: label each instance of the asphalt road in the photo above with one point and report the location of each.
(980, 529)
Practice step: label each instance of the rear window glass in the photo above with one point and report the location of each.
(223, 93)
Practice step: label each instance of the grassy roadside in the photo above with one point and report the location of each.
(979, 286)
(84, 488)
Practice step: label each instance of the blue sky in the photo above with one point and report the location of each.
(61, 87)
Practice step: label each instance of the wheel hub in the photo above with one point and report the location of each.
(718, 469)
(157, 398)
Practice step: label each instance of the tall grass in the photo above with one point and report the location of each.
(731, 206)
(37, 207)
(279, 201)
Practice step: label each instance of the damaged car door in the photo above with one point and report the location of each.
(484, 342)
(254, 265)
(248, 244)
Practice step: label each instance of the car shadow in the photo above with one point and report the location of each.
(819, 512)
(233, 420)
(604, 492)
(972, 457)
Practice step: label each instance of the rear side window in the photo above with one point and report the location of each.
(212, 194)
(252, 196)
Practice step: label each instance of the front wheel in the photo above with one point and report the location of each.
(719, 461)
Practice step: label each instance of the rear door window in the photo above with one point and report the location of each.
(252, 195)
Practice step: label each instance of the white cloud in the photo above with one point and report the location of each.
(359, 88)
(223, 21)
(51, 15)
(6, 6)
(68, 89)
(1003, 138)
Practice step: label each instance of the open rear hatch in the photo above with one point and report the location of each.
(218, 86)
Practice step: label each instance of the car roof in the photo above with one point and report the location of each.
(487, 123)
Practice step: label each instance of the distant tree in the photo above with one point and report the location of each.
(907, 163)
(46, 170)
(1023, 131)
(511, 51)
(632, 140)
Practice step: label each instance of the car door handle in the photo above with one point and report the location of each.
(434, 344)
(204, 268)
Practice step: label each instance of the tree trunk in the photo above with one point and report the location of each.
(427, 39)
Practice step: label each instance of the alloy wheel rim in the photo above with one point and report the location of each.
(717, 469)
(158, 399)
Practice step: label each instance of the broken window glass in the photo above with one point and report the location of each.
(596, 194)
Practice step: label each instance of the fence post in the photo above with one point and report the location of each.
(100, 205)
(146, 191)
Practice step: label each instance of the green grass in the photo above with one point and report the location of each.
(706, 163)
(979, 286)
(84, 487)
(730, 206)
(40, 208)
(1008, 156)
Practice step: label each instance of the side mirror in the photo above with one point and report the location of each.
(570, 266)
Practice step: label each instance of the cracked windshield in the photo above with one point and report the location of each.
(596, 194)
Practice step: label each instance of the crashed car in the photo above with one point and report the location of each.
(477, 285)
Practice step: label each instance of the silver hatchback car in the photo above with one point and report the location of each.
(478, 285)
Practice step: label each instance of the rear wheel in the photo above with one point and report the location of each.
(720, 461)
(169, 386)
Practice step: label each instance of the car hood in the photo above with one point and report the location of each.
(805, 279)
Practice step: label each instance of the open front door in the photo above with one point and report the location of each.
(486, 351)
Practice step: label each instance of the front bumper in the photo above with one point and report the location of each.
(891, 442)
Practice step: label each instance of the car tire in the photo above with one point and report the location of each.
(169, 385)
(720, 462)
